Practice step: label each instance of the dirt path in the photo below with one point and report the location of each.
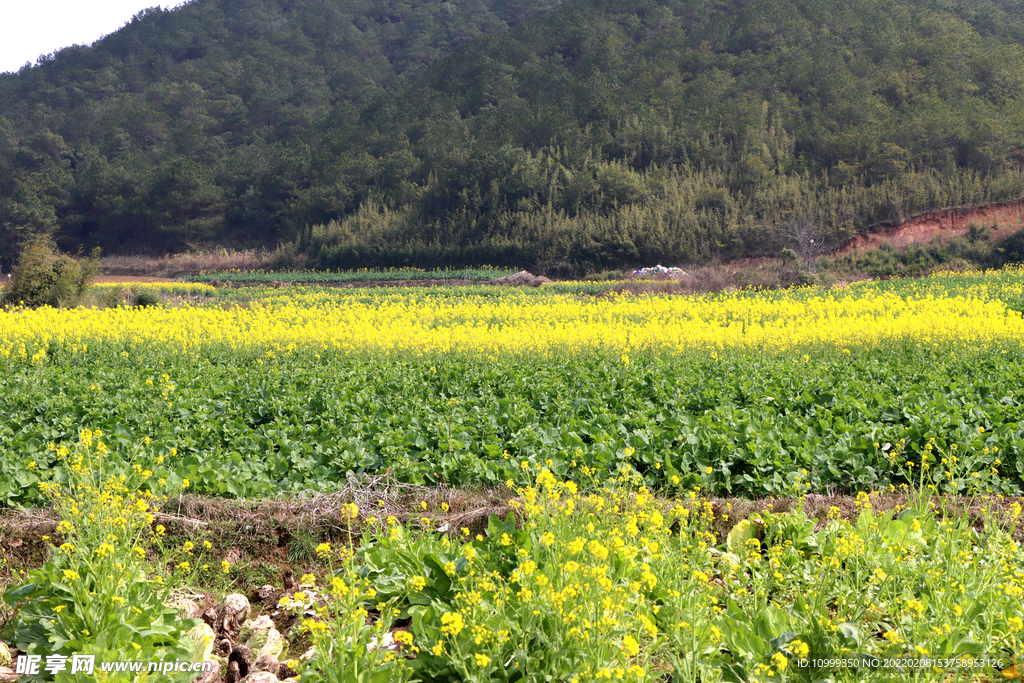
(945, 223)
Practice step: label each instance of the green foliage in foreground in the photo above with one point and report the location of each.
(327, 277)
(585, 581)
(614, 583)
(96, 595)
(743, 424)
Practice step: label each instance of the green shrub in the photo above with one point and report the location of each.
(46, 277)
(881, 262)
(141, 298)
(1009, 249)
(979, 233)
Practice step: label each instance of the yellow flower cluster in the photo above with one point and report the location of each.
(588, 574)
(452, 623)
(514, 321)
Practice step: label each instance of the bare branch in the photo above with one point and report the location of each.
(809, 240)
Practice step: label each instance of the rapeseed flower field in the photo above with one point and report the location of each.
(519, 322)
(612, 423)
(751, 393)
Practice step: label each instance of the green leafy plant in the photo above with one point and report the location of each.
(349, 645)
(97, 595)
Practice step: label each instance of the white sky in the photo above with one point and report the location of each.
(29, 28)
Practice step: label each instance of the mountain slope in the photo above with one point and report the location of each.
(181, 112)
(597, 133)
(615, 132)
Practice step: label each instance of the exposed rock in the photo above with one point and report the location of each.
(232, 613)
(521, 279)
(241, 656)
(234, 674)
(284, 672)
(262, 593)
(267, 663)
(260, 677)
(214, 675)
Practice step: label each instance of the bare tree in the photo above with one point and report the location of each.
(809, 240)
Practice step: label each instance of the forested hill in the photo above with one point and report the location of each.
(589, 134)
(174, 127)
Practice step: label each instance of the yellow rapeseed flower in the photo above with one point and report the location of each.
(519, 322)
(630, 646)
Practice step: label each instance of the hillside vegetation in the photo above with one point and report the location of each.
(592, 134)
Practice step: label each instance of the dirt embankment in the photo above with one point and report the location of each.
(520, 279)
(944, 223)
(132, 278)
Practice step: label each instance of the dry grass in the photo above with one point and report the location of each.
(264, 526)
(817, 507)
(173, 265)
(751, 273)
(260, 535)
(761, 273)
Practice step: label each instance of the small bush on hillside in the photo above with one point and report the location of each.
(44, 276)
(979, 233)
(1009, 249)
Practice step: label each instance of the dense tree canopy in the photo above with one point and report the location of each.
(582, 135)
